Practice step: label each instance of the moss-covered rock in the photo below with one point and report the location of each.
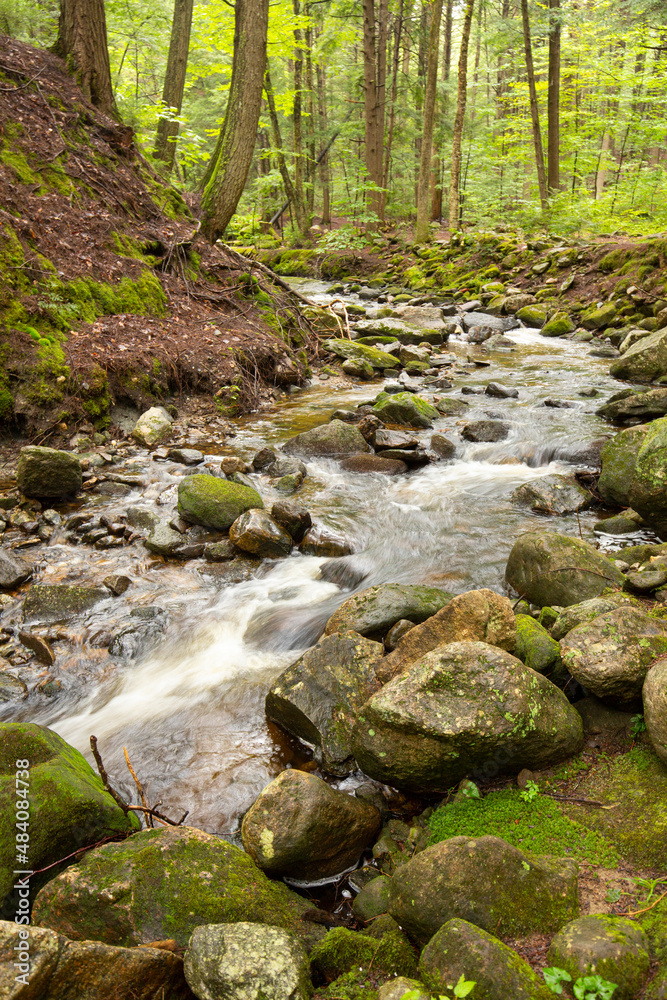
(644, 361)
(647, 492)
(337, 439)
(46, 472)
(579, 614)
(161, 884)
(352, 349)
(372, 612)
(619, 458)
(68, 806)
(343, 950)
(533, 316)
(214, 503)
(535, 647)
(601, 945)
(598, 317)
(152, 426)
(405, 409)
(559, 325)
(372, 900)
(60, 601)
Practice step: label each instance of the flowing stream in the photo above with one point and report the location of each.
(191, 711)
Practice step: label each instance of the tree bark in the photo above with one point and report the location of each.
(534, 109)
(441, 106)
(310, 145)
(553, 99)
(454, 206)
(174, 81)
(395, 64)
(423, 186)
(82, 41)
(375, 73)
(231, 160)
(326, 178)
(297, 122)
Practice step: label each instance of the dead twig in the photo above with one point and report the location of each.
(105, 777)
(635, 913)
(140, 789)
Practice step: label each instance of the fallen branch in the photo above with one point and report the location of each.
(105, 777)
(140, 788)
(635, 913)
(149, 811)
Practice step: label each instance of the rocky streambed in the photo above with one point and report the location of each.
(403, 580)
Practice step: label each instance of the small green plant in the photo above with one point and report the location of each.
(584, 988)
(463, 988)
(613, 895)
(637, 726)
(530, 792)
(650, 885)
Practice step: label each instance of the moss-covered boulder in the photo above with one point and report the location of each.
(611, 655)
(358, 368)
(533, 316)
(555, 494)
(459, 948)
(558, 570)
(317, 697)
(372, 612)
(598, 317)
(68, 806)
(60, 601)
(519, 893)
(559, 325)
(343, 950)
(644, 361)
(614, 948)
(247, 960)
(654, 695)
(647, 493)
(455, 709)
(161, 884)
(153, 426)
(214, 503)
(372, 899)
(301, 827)
(404, 408)
(372, 356)
(619, 458)
(337, 439)
(628, 407)
(46, 472)
(535, 647)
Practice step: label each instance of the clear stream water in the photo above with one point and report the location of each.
(191, 711)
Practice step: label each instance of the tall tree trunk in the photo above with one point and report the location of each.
(297, 121)
(534, 109)
(424, 33)
(233, 153)
(454, 207)
(395, 65)
(553, 98)
(375, 73)
(423, 186)
(174, 81)
(310, 144)
(325, 172)
(82, 40)
(440, 108)
(300, 214)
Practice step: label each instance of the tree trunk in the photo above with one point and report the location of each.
(395, 64)
(174, 81)
(326, 178)
(297, 122)
(534, 109)
(437, 171)
(310, 121)
(300, 214)
(375, 72)
(424, 34)
(233, 154)
(454, 207)
(423, 186)
(82, 40)
(553, 99)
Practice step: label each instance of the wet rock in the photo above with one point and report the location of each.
(231, 571)
(256, 532)
(396, 633)
(535, 647)
(117, 583)
(153, 426)
(147, 626)
(163, 540)
(598, 317)
(479, 334)
(219, 551)
(374, 463)
(373, 611)
(214, 503)
(303, 828)
(519, 894)
(383, 438)
(341, 952)
(610, 655)
(552, 569)
(477, 615)
(559, 325)
(586, 611)
(451, 407)
(13, 570)
(647, 579)
(293, 517)
(644, 361)
(628, 407)
(463, 707)
(555, 494)
(497, 324)
(442, 446)
(50, 603)
(153, 891)
(138, 517)
(61, 969)
(614, 948)
(246, 961)
(604, 351)
(11, 688)
(358, 368)
(411, 459)
(69, 808)
(619, 458)
(646, 493)
(322, 541)
(371, 355)
(404, 408)
(263, 459)
(39, 646)
(316, 698)
(501, 391)
(372, 900)
(287, 467)
(558, 404)
(336, 439)
(45, 472)
(486, 430)
(618, 525)
(186, 456)
(655, 706)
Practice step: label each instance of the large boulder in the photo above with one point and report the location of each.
(629, 407)
(654, 694)
(13, 570)
(343, 952)
(373, 356)
(301, 827)
(45, 472)
(555, 494)
(214, 503)
(458, 708)
(614, 948)
(68, 805)
(645, 361)
(317, 697)
(161, 884)
(519, 893)
(336, 439)
(647, 493)
(404, 408)
(50, 967)
(477, 615)
(246, 961)
(153, 426)
(459, 948)
(258, 533)
(610, 655)
(551, 569)
(60, 601)
(619, 458)
(372, 612)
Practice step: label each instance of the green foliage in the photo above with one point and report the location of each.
(530, 792)
(584, 988)
(637, 726)
(463, 988)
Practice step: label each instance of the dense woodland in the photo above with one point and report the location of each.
(485, 113)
